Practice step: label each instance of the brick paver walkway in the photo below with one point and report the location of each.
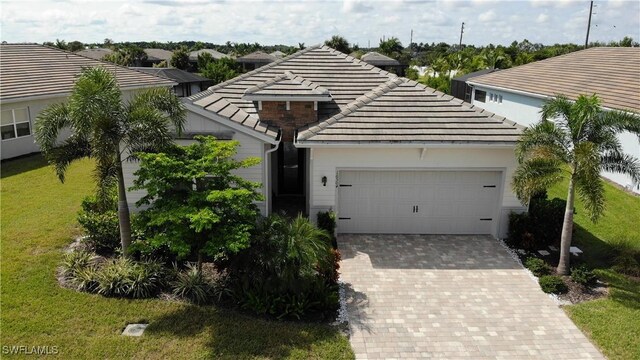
(451, 297)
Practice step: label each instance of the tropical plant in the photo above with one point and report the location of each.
(492, 57)
(204, 59)
(74, 262)
(339, 43)
(98, 217)
(577, 140)
(127, 56)
(537, 266)
(391, 46)
(104, 127)
(192, 285)
(123, 277)
(220, 70)
(180, 58)
(552, 284)
(197, 205)
(583, 275)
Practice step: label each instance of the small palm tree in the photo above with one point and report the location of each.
(103, 127)
(577, 140)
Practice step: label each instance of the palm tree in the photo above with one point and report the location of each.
(339, 43)
(103, 127)
(577, 140)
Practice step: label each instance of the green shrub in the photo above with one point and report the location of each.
(74, 262)
(538, 228)
(86, 279)
(123, 277)
(327, 222)
(625, 256)
(520, 231)
(537, 266)
(191, 285)
(583, 275)
(552, 284)
(99, 219)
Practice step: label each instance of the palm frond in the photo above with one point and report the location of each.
(74, 148)
(49, 123)
(535, 175)
(543, 139)
(587, 177)
(621, 163)
(166, 102)
(558, 109)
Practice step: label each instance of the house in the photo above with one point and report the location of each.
(35, 76)
(96, 54)
(383, 62)
(156, 56)
(193, 57)
(389, 155)
(461, 89)
(613, 73)
(255, 60)
(187, 83)
(278, 54)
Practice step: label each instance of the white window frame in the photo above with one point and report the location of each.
(15, 124)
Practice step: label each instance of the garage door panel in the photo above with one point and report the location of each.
(430, 202)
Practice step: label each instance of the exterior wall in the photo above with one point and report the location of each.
(249, 147)
(328, 161)
(11, 148)
(525, 110)
(300, 113)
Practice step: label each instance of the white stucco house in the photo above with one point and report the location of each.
(34, 76)
(387, 154)
(613, 73)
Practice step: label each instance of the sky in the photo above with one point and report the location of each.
(312, 22)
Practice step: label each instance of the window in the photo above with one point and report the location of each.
(480, 96)
(491, 97)
(15, 123)
(499, 99)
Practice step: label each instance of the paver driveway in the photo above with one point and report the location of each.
(433, 296)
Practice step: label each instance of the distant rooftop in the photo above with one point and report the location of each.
(193, 56)
(96, 54)
(257, 57)
(377, 59)
(158, 54)
(177, 75)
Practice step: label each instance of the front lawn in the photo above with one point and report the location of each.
(612, 323)
(39, 220)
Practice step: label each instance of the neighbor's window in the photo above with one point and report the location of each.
(500, 99)
(480, 96)
(15, 123)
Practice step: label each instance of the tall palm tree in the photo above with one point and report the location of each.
(577, 140)
(104, 127)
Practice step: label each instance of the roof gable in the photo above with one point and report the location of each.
(287, 85)
(613, 73)
(377, 59)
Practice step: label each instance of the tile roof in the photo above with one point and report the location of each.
(279, 54)
(31, 70)
(177, 75)
(96, 54)
(348, 79)
(287, 85)
(613, 73)
(158, 54)
(257, 57)
(377, 59)
(193, 56)
(401, 110)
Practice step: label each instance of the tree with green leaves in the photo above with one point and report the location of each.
(339, 43)
(204, 59)
(104, 127)
(391, 47)
(220, 70)
(577, 140)
(197, 205)
(180, 58)
(131, 55)
(493, 57)
(75, 46)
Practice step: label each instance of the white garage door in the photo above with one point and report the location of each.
(418, 202)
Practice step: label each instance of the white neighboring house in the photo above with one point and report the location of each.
(613, 73)
(35, 76)
(387, 154)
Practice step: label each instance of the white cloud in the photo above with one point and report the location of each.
(487, 16)
(356, 6)
(542, 18)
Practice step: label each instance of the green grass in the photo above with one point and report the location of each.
(38, 220)
(612, 323)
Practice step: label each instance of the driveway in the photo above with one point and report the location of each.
(434, 296)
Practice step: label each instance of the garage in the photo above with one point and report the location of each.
(418, 202)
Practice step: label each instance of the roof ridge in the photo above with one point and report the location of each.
(211, 89)
(357, 61)
(354, 105)
(306, 82)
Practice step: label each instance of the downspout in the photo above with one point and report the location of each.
(267, 172)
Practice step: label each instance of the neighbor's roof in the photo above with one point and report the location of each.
(279, 54)
(193, 56)
(287, 85)
(401, 110)
(96, 54)
(177, 75)
(613, 73)
(399, 105)
(377, 59)
(257, 57)
(470, 75)
(31, 70)
(158, 54)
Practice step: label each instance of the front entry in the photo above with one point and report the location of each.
(290, 169)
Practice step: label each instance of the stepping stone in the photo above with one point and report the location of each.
(575, 250)
(134, 329)
(543, 252)
(553, 248)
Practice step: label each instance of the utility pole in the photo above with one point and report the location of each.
(586, 41)
(411, 38)
(461, 32)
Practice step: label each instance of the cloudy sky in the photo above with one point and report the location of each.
(312, 22)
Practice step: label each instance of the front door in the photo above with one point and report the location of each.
(290, 170)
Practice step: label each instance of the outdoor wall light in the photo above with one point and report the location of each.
(324, 181)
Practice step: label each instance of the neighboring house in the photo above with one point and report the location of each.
(156, 56)
(187, 83)
(613, 73)
(255, 60)
(96, 54)
(278, 54)
(193, 57)
(383, 62)
(461, 89)
(35, 76)
(389, 155)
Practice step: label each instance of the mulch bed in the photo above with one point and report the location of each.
(578, 293)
